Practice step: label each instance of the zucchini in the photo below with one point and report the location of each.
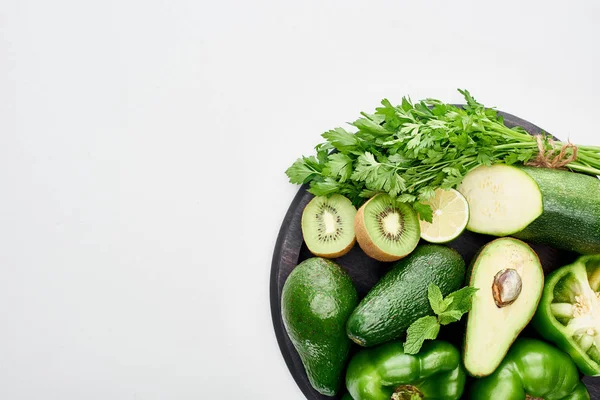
(571, 217)
(502, 199)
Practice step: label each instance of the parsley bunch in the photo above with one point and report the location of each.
(412, 149)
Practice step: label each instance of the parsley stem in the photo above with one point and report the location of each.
(515, 145)
(581, 168)
(583, 156)
(433, 145)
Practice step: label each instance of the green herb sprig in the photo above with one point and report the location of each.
(412, 149)
(447, 310)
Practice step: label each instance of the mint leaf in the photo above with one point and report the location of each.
(426, 328)
(425, 211)
(436, 299)
(460, 303)
(450, 316)
(462, 299)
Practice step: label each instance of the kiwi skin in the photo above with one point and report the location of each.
(337, 254)
(366, 243)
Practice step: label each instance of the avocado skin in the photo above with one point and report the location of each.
(317, 299)
(400, 297)
(571, 217)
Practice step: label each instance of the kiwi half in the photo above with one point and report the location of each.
(328, 226)
(387, 230)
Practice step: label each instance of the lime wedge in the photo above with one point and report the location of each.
(450, 216)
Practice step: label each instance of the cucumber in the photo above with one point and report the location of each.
(571, 217)
(502, 199)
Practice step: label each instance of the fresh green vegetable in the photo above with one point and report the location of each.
(317, 298)
(386, 372)
(503, 199)
(347, 397)
(569, 313)
(447, 310)
(532, 370)
(571, 217)
(401, 296)
(411, 149)
(450, 216)
(328, 226)
(386, 229)
(510, 279)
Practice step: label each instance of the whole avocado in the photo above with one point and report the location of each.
(400, 297)
(317, 300)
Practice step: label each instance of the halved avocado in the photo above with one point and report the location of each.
(510, 279)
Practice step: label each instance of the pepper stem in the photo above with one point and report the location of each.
(407, 392)
(528, 397)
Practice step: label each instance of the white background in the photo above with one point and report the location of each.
(142, 151)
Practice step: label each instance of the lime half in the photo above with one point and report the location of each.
(450, 216)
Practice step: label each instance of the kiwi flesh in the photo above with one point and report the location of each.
(387, 230)
(328, 226)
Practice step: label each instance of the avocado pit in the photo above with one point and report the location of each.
(506, 287)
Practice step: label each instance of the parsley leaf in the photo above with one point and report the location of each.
(340, 165)
(425, 211)
(341, 140)
(325, 187)
(303, 170)
(411, 149)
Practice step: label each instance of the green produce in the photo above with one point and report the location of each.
(387, 373)
(347, 397)
(316, 300)
(503, 199)
(401, 296)
(510, 279)
(450, 216)
(569, 313)
(409, 150)
(571, 217)
(447, 310)
(532, 370)
(386, 230)
(328, 226)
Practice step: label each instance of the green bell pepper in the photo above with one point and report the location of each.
(532, 370)
(386, 373)
(569, 312)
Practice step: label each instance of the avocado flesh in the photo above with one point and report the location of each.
(491, 329)
(316, 300)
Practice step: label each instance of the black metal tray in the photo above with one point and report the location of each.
(365, 272)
